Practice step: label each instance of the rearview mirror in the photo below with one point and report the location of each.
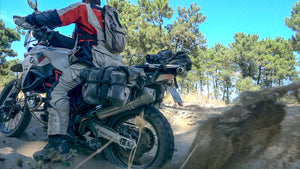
(32, 4)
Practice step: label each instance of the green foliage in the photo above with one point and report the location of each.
(7, 36)
(293, 22)
(249, 64)
(277, 62)
(243, 52)
(144, 27)
(215, 70)
(246, 84)
(269, 62)
(184, 33)
(7, 74)
(188, 84)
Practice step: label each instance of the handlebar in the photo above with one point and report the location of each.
(20, 21)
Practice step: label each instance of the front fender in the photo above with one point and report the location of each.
(17, 68)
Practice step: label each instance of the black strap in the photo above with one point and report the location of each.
(104, 82)
(97, 81)
(104, 86)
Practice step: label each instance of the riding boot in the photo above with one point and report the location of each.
(56, 143)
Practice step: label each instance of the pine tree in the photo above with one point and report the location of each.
(184, 35)
(246, 84)
(7, 36)
(293, 22)
(243, 50)
(185, 32)
(8, 75)
(282, 63)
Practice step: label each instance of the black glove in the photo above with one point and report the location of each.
(42, 34)
(31, 19)
(59, 40)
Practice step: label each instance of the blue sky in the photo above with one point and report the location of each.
(224, 17)
(227, 17)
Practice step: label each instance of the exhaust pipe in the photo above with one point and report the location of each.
(181, 72)
(147, 97)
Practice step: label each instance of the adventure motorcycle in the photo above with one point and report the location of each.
(94, 125)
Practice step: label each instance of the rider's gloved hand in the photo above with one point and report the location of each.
(42, 34)
(31, 19)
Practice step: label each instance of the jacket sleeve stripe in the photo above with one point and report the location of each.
(99, 15)
(70, 7)
(71, 14)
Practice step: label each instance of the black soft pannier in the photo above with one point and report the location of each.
(110, 86)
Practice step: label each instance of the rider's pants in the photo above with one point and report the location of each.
(59, 112)
(58, 120)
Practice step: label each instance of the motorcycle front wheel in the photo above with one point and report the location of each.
(155, 140)
(14, 115)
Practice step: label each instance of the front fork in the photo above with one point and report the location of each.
(12, 95)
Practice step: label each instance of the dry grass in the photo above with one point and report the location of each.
(195, 99)
(195, 109)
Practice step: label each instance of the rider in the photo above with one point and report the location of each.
(89, 34)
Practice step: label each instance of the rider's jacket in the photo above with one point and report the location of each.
(88, 19)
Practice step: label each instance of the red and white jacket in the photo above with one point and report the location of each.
(87, 17)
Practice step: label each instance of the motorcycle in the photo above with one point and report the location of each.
(92, 126)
